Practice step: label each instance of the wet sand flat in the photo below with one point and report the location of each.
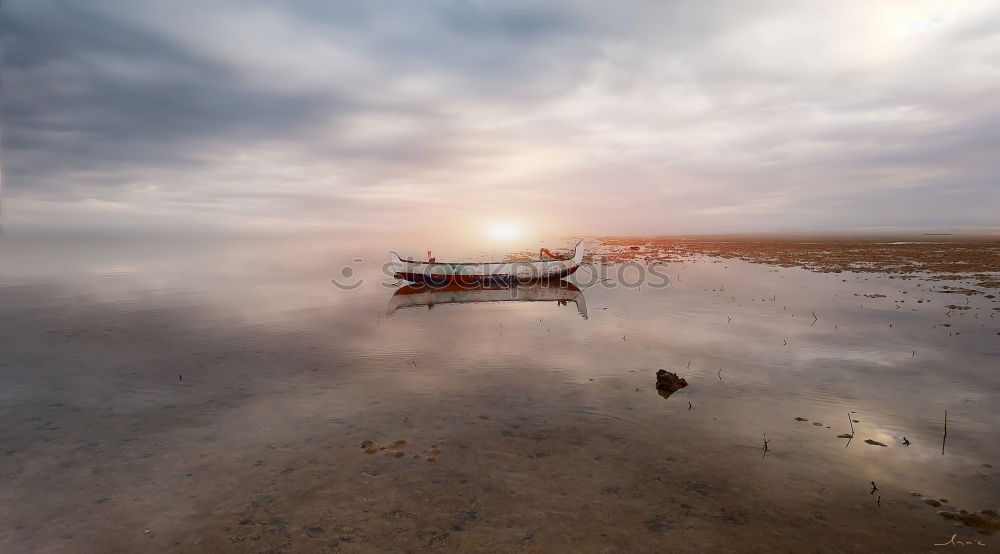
(942, 258)
(214, 409)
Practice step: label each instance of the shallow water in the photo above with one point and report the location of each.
(213, 395)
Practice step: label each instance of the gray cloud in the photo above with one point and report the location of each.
(645, 117)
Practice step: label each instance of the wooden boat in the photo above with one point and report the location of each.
(421, 295)
(546, 268)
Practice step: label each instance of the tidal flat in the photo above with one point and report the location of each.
(229, 398)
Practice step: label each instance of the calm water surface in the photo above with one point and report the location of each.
(213, 394)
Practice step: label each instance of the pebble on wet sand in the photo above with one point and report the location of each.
(667, 382)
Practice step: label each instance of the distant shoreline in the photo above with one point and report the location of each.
(975, 262)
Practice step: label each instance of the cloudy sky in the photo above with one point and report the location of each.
(573, 117)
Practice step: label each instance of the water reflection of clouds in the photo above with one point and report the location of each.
(540, 357)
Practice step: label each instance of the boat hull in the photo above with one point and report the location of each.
(475, 279)
(471, 273)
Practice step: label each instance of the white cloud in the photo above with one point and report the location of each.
(645, 117)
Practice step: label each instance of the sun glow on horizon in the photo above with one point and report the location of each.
(504, 230)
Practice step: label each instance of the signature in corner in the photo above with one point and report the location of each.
(953, 541)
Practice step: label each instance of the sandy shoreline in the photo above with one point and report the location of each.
(936, 258)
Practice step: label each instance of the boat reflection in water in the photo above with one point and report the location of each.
(418, 295)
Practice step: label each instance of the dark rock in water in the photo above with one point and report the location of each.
(801, 419)
(633, 248)
(845, 436)
(668, 383)
(986, 521)
(874, 443)
(932, 502)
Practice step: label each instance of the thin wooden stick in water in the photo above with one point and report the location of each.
(945, 437)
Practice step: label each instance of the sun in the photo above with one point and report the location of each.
(504, 230)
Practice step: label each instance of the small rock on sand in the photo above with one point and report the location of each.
(845, 436)
(801, 419)
(874, 443)
(669, 382)
(932, 502)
